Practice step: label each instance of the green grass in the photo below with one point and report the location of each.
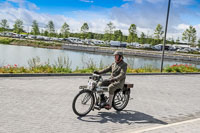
(5, 40)
(37, 68)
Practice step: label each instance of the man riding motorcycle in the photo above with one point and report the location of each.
(118, 76)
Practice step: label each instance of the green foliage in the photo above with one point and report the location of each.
(177, 40)
(109, 31)
(84, 28)
(118, 35)
(51, 29)
(5, 40)
(65, 30)
(35, 29)
(18, 26)
(62, 68)
(132, 37)
(142, 38)
(198, 43)
(4, 24)
(62, 63)
(181, 68)
(189, 35)
(158, 32)
(144, 69)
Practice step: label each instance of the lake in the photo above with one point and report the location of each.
(20, 55)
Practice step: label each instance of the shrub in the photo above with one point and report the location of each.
(181, 68)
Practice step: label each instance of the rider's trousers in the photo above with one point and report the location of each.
(112, 86)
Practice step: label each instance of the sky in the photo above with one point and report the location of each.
(146, 14)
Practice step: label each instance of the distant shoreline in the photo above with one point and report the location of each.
(97, 49)
(133, 52)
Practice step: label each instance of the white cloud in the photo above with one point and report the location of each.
(144, 15)
(96, 22)
(33, 6)
(24, 4)
(147, 15)
(181, 27)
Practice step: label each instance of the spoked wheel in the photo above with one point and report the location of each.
(120, 100)
(83, 102)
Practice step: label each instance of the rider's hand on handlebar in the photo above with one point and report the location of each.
(96, 72)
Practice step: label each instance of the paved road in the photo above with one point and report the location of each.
(40, 105)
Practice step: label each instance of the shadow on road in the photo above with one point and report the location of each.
(123, 117)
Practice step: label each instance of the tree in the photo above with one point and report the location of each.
(35, 29)
(172, 41)
(118, 35)
(4, 24)
(109, 31)
(65, 30)
(46, 33)
(84, 28)
(50, 28)
(142, 38)
(132, 33)
(18, 26)
(158, 32)
(189, 35)
(198, 43)
(177, 40)
(90, 35)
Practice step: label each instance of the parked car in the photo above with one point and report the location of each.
(39, 37)
(46, 38)
(97, 42)
(115, 43)
(123, 44)
(184, 50)
(75, 40)
(31, 37)
(146, 45)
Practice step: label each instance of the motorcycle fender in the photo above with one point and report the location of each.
(127, 91)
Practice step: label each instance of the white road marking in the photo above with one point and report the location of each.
(164, 126)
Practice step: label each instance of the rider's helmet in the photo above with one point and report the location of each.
(118, 53)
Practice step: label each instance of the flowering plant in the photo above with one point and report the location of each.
(182, 68)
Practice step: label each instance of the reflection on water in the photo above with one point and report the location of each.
(20, 55)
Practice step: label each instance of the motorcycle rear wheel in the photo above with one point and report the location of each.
(120, 100)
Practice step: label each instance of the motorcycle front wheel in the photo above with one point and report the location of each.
(120, 100)
(83, 102)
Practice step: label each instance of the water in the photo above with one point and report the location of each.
(20, 55)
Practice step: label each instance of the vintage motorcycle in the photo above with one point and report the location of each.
(93, 97)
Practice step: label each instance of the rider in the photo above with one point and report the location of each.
(118, 76)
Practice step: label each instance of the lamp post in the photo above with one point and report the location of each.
(164, 41)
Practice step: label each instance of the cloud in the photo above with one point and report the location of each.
(181, 27)
(145, 15)
(87, 1)
(33, 6)
(96, 22)
(24, 4)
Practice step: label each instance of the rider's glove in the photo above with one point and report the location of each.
(96, 72)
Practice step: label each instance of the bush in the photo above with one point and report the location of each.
(181, 68)
(5, 40)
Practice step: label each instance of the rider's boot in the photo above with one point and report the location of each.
(109, 106)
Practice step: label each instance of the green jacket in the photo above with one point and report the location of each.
(118, 72)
